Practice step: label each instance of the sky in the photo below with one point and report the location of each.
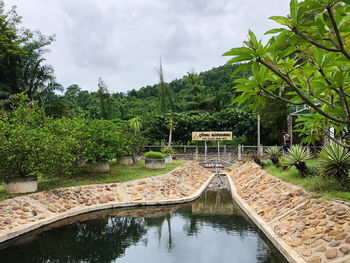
(122, 41)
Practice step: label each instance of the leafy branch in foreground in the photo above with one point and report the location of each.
(306, 62)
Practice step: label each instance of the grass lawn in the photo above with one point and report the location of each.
(316, 183)
(118, 173)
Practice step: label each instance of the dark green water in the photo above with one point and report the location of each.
(211, 229)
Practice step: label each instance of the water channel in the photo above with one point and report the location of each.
(210, 229)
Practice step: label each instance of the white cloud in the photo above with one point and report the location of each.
(121, 41)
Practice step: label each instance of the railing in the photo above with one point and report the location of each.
(193, 152)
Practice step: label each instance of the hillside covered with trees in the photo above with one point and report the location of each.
(194, 102)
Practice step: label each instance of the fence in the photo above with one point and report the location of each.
(193, 152)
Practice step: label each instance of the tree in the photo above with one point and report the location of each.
(104, 99)
(22, 67)
(306, 63)
(164, 91)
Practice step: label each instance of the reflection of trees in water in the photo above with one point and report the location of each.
(104, 236)
(95, 241)
(265, 255)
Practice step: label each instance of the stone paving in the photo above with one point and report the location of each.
(317, 229)
(24, 212)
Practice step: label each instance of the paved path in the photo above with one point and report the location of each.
(317, 229)
(22, 214)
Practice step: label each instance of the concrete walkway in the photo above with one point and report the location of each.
(22, 214)
(308, 229)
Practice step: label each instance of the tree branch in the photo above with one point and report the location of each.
(337, 33)
(301, 95)
(273, 96)
(314, 42)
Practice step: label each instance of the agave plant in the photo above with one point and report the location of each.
(273, 153)
(297, 156)
(335, 161)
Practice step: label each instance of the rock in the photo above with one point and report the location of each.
(315, 223)
(331, 253)
(57, 193)
(77, 189)
(340, 236)
(141, 183)
(334, 233)
(111, 198)
(44, 202)
(330, 212)
(52, 208)
(345, 250)
(322, 216)
(314, 260)
(104, 199)
(67, 207)
(334, 244)
(34, 213)
(347, 240)
(306, 252)
(139, 188)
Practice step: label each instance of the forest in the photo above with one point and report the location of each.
(195, 102)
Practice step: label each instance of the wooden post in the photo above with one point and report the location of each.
(196, 152)
(184, 148)
(290, 128)
(225, 149)
(205, 150)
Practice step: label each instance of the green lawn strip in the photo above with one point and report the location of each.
(311, 184)
(118, 173)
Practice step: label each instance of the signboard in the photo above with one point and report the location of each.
(213, 165)
(212, 136)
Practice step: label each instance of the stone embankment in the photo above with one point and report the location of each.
(307, 228)
(25, 213)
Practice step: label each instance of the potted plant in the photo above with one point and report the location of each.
(102, 141)
(168, 152)
(154, 160)
(29, 147)
(135, 142)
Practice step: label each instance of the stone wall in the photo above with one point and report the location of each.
(317, 230)
(25, 213)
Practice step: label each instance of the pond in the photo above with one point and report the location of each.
(211, 229)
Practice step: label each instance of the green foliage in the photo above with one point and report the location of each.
(29, 147)
(306, 62)
(154, 155)
(273, 153)
(167, 151)
(297, 156)
(335, 161)
(102, 141)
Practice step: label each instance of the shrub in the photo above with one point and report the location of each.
(101, 141)
(167, 151)
(320, 183)
(335, 161)
(273, 154)
(28, 148)
(297, 156)
(154, 155)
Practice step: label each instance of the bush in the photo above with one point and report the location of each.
(335, 161)
(167, 151)
(297, 156)
(319, 183)
(101, 141)
(154, 155)
(273, 154)
(28, 147)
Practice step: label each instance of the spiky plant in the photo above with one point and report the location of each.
(335, 161)
(297, 156)
(273, 153)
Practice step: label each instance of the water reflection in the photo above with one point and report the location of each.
(209, 229)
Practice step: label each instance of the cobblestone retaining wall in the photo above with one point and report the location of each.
(22, 214)
(316, 230)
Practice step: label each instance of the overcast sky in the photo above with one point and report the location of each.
(121, 41)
